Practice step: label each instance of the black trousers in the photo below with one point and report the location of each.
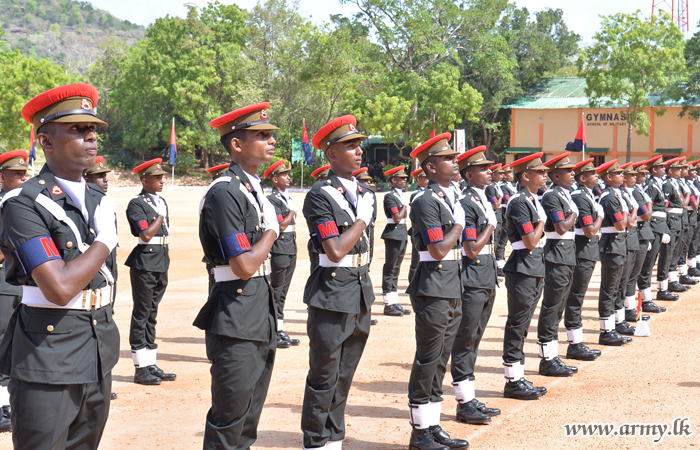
(394, 252)
(336, 343)
(147, 290)
(666, 256)
(636, 270)
(688, 234)
(579, 285)
(524, 293)
(644, 279)
(611, 268)
(415, 259)
(694, 248)
(240, 376)
(437, 321)
(477, 304)
(678, 248)
(7, 305)
(283, 267)
(59, 416)
(625, 278)
(501, 241)
(557, 284)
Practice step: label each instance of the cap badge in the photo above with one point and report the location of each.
(158, 166)
(100, 164)
(85, 104)
(351, 127)
(263, 114)
(56, 190)
(21, 161)
(340, 189)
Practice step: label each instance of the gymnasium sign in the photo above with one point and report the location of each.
(606, 119)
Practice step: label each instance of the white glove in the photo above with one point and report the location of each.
(162, 209)
(105, 223)
(365, 208)
(574, 208)
(649, 246)
(665, 239)
(270, 217)
(459, 215)
(540, 211)
(599, 209)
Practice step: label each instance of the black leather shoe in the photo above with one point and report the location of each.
(113, 396)
(694, 272)
(652, 307)
(611, 338)
(5, 422)
(156, 371)
(484, 409)
(469, 413)
(554, 368)
(677, 287)
(624, 329)
(404, 310)
(685, 279)
(393, 310)
(665, 295)
(520, 390)
(144, 376)
(541, 389)
(443, 438)
(631, 315)
(286, 337)
(373, 322)
(581, 352)
(282, 342)
(424, 440)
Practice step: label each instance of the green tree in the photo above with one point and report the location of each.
(22, 78)
(631, 59)
(690, 87)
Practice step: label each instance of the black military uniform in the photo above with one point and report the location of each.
(587, 254)
(283, 256)
(689, 221)
(501, 239)
(395, 240)
(660, 228)
(668, 257)
(314, 244)
(694, 185)
(239, 316)
(623, 305)
(339, 296)
(436, 292)
(559, 264)
(496, 196)
(362, 176)
(148, 263)
(478, 296)
(613, 250)
(414, 251)
(215, 173)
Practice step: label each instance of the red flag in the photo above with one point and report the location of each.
(432, 132)
(579, 143)
(306, 147)
(173, 144)
(32, 147)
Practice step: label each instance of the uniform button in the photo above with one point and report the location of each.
(42, 182)
(449, 222)
(531, 252)
(237, 177)
(439, 266)
(477, 261)
(562, 243)
(69, 244)
(360, 278)
(345, 224)
(94, 322)
(240, 291)
(150, 249)
(257, 228)
(50, 327)
(333, 274)
(281, 237)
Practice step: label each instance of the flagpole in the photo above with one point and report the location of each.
(173, 164)
(583, 116)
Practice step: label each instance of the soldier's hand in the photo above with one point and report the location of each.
(599, 209)
(162, 209)
(459, 214)
(105, 223)
(270, 217)
(666, 238)
(365, 208)
(574, 208)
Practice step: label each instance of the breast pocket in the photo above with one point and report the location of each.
(59, 322)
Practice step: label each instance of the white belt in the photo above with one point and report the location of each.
(453, 255)
(290, 229)
(555, 235)
(674, 210)
(353, 261)
(484, 251)
(156, 240)
(225, 273)
(391, 220)
(610, 230)
(84, 301)
(520, 245)
(659, 214)
(579, 232)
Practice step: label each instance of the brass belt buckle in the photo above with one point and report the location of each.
(93, 298)
(84, 299)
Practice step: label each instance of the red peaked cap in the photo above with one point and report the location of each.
(608, 167)
(529, 162)
(584, 166)
(473, 157)
(693, 163)
(655, 161)
(59, 94)
(438, 145)
(217, 168)
(496, 166)
(98, 167)
(318, 171)
(151, 167)
(672, 161)
(398, 171)
(628, 168)
(560, 162)
(13, 154)
(252, 117)
(337, 130)
(276, 165)
(360, 170)
(418, 173)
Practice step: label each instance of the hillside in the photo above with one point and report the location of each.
(67, 32)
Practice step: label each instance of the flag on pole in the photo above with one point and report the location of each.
(32, 148)
(432, 132)
(306, 147)
(579, 144)
(173, 145)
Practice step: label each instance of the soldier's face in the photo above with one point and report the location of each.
(496, 176)
(69, 146)
(258, 147)
(630, 179)
(12, 179)
(444, 167)
(346, 155)
(479, 176)
(692, 173)
(658, 171)
(282, 180)
(684, 172)
(614, 179)
(508, 176)
(100, 179)
(641, 178)
(422, 181)
(674, 172)
(152, 183)
(589, 179)
(537, 177)
(563, 177)
(398, 182)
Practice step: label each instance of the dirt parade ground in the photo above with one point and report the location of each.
(653, 381)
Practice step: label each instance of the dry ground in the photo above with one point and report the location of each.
(654, 380)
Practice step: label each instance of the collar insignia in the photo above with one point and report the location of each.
(340, 189)
(359, 189)
(247, 185)
(441, 194)
(56, 190)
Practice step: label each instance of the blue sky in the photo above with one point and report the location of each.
(582, 16)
